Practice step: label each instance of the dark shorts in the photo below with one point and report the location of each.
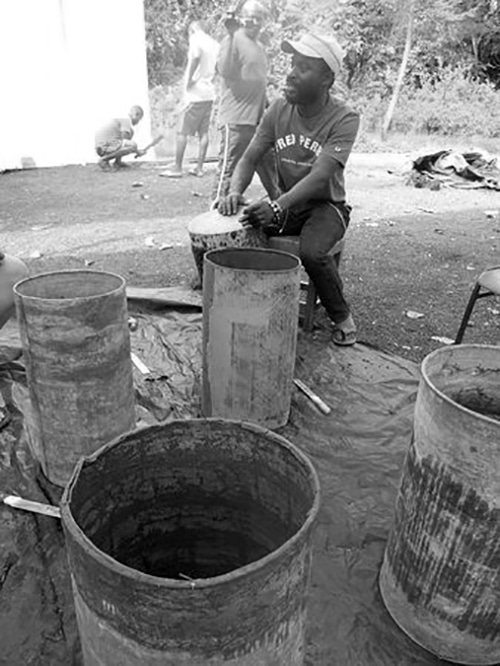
(196, 118)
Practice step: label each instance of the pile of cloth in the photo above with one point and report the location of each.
(448, 168)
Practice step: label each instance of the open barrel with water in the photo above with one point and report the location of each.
(191, 543)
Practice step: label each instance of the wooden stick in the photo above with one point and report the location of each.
(35, 507)
(142, 367)
(322, 406)
(151, 144)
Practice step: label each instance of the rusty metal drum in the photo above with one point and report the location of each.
(213, 231)
(250, 322)
(440, 578)
(76, 348)
(190, 543)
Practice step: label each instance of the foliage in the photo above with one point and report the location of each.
(455, 47)
(452, 104)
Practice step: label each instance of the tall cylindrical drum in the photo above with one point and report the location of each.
(76, 348)
(190, 543)
(213, 231)
(250, 320)
(440, 579)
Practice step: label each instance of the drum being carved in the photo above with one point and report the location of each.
(213, 231)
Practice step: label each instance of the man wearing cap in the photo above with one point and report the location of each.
(312, 134)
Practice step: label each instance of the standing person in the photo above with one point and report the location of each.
(113, 140)
(312, 133)
(242, 66)
(198, 97)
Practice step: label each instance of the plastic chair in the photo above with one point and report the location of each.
(291, 244)
(487, 284)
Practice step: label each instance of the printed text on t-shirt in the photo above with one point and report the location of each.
(301, 140)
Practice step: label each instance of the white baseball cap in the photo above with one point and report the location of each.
(317, 46)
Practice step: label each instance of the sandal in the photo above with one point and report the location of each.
(343, 338)
(171, 173)
(199, 173)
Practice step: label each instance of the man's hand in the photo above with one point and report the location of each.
(140, 153)
(231, 23)
(230, 205)
(259, 215)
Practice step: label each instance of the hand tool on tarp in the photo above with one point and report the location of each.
(322, 406)
(27, 505)
(315, 399)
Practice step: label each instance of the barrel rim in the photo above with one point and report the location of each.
(426, 378)
(106, 560)
(274, 271)
(70, 271)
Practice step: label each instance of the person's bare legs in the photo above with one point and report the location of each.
(180, 149)
(128, 149)
(202, 152)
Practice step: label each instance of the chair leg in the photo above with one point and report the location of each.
(468, 311)
(307, 324)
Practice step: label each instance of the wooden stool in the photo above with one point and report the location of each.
(489, 282)
(291, 244)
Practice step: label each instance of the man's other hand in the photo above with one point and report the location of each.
(230, 205)
(259, 215)
(231, 23)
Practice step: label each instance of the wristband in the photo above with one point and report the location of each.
(278, 212)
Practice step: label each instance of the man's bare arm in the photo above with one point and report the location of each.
(193, 66)
(246, 167)
(241, 178)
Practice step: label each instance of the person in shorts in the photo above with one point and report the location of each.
(113, 140)
(198, 98)
(242, 67)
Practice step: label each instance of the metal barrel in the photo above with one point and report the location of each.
(250, 320)
(213, 231)
(440, 578)
(12, 270)
(76, 349)
(190, 543)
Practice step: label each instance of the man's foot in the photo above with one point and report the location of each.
(344, 333)
(195, 171)
(121, 165)
(174, 172)
(104, 164)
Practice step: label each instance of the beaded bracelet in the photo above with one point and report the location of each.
(277, 212)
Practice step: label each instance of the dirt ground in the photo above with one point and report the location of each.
(408, 249)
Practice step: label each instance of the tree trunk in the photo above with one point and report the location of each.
(401, 73)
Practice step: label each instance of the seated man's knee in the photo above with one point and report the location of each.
(311, 257)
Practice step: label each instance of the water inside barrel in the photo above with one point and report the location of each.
(482, 398)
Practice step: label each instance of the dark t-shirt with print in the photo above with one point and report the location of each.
(301, 144)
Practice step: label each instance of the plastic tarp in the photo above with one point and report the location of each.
(358, 451)
(72, 65)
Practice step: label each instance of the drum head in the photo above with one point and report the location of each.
(212, 222)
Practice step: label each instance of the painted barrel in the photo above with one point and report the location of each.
(440, 578)
(190, 543)
(12, 270)
(213, 231)
(76, 349)
(250, 320)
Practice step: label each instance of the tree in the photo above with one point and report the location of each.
(402, 68)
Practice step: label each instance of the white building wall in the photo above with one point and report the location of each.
(65, 67)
